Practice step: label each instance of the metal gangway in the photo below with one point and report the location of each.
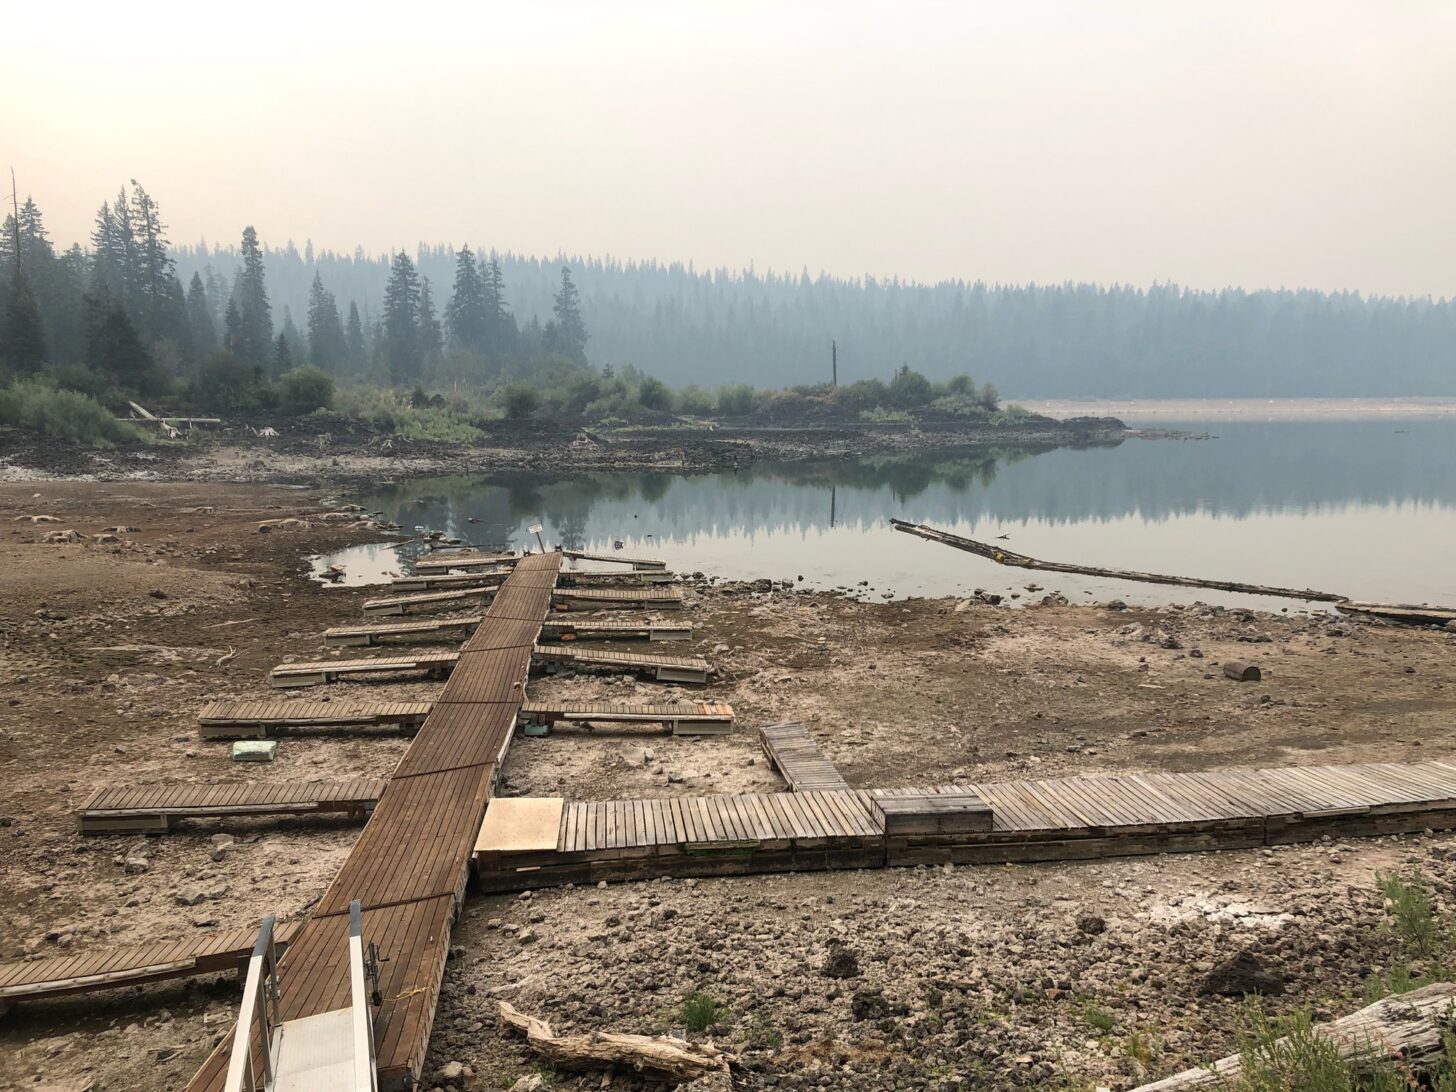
(327, 1052)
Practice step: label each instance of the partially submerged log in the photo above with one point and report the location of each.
(1007, 557)
(662, 1056)
(1407, 1027)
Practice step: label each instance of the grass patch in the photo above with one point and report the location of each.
(1098, 1018)
(63, 415)
(699, 1011)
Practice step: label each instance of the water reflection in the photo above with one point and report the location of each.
(1364, 507)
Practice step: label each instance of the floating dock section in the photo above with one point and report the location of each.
(261, 719)
(794, 754)
(157, 808)
(706, 718)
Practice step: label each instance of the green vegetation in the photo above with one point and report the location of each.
(62, 414)
(1098, 1018)
(699, 1011)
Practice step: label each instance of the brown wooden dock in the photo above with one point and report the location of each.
(261, 719)
(158, 807)
(652, 598)
(409, 865)
(680, 669)
(573, 630)
(616, 559)
(434, 581)
(395, 605)
(1055, 819)
(575, 578)
(794, 754)
(695, 718)
(462, 624)
(322, 672)
(130, 965)
(472, 559)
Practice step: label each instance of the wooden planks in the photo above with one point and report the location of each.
(649, 598)
(402, 631)
(682, 718)
(489, 578)
(131, 965)
(616, 559)
(464, 560)
(797, 757)
(573, 578)
(157, 807)
(391, 605)
(683, 669)
(613, 631)
(321, 672)
(260, 719)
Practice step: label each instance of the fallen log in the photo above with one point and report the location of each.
(663, 1056)
(1007, 557)
(1409, 1028)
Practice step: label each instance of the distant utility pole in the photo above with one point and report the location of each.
(833, 359)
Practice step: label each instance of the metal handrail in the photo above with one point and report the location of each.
(261, 1002)
(362, 964)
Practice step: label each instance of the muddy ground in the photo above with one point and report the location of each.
(1047, 976)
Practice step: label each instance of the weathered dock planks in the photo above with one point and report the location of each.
(448, 581)
(653, 598)
(156, 808)
(261, 719)
(344, 636)
(394, 605)
(681, 669)
(464, 560)
(797, 757)
(681, 718)
(1053, 819)
(616, 559)
(568, 630)
(322, 672)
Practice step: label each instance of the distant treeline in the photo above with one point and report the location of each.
(1033, 341)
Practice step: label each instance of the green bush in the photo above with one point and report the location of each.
(653, 394)
(304, 390)
(736, 401)
(519, 400)
(699, 1011)
(65, 415)
(225, 384)
(694, 402)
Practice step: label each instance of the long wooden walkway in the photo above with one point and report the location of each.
(158, 807)
(566, 630)
(464, 624)
(651, 598)
(130, 965)
(682, 669)
(684, 718)
(261, 719)
(447, 560)
(394, 605)
(616, 559)
(1056, 819)
(322, 672)
(569, 630)
(794, 754)
(409, 865)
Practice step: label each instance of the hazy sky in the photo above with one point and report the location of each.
(1282, 142)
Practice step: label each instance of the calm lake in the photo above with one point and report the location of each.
(1366, 508)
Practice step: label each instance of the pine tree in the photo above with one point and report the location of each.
(113, 346)
(297, 351)
(431, 343)
(402, 343)
(326, 342)
(567, 332)
(232, 327)
(282, 354)
(254, 339)
(356, 352)
(153, 305)
(22, 334)
(501, 334)
(467, 321)
(199, 318)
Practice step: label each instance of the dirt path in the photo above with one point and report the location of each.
(1059, 976)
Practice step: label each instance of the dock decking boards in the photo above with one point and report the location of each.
(464, 560)
(681, 718)
(613, 631)
(157, 807)
(322, 672)
(131, 965)
(403, 631)
(682, 669)
(647, 598)
(409, 864)
(393, 605)
(447, 581)
(1054, 819)
(616, 559)
(261, 719)
(794, 754)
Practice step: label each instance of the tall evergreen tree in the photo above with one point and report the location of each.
(403, 351)
(282, 354)
(232, 327)
(199, 318)
(254, 339)
(500, 325)
(568, 334)
(297, 350)
(326, 343)
(22, 334)
(356, 351)
(113, 346)
(431, 343)
(467, 321)
(154, 305)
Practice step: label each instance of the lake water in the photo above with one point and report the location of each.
(1365, 508)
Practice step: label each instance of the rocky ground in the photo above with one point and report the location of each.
(1046, 976)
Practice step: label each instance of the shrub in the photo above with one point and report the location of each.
(699, 1011)
(653, 394)
(910, 389)
(694, 402)
(735, 401)
(225, 384)
(65, 415)
(519, 400)
(304, 390)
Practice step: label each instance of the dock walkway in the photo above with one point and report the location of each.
(794, 754)
(409, 865)
(158, 807)
(681, 669)
(261, 719)
(695, 718)
(1055, 819)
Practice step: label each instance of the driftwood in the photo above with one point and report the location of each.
(1407, 1026)
(663, 1056)
(1007, 557)
(1240, 671)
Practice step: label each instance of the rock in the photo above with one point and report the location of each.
(530, 1083)
(1116, 604)
(136, 864)
(869, 1004)
(450, 1071)
(1091, 924)
(1241, 974)
(190, 897)
(842, 962)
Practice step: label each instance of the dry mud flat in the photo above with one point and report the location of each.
(1041, 976)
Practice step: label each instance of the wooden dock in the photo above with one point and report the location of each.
(464, 560)
(653, 598)
(261, 719)
(681, 669)
(575, 578)
(616, 559)
(156, 808)
(614, 631)
(686, 718)
(394, 605)
(403, 632)
(794, 754)
(322, 672)
(130, 965)
(448, 581)
(1049, 820)
(409, 864)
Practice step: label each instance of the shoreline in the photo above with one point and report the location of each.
(1246, 409)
